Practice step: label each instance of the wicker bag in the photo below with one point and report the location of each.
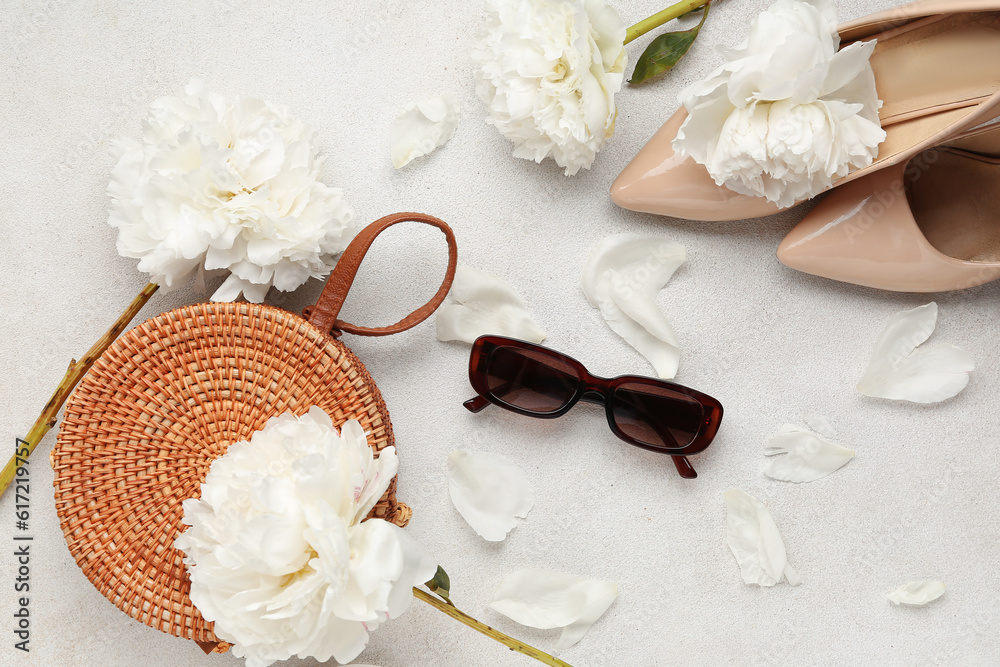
(169, 396)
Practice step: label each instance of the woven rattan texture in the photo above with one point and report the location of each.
(145, 424)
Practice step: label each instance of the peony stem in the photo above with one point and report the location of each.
(509, 642)
(76, 371)
(659, 18)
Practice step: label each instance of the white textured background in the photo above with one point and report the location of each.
(770, 343)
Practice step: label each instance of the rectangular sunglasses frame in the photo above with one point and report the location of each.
(593, 389)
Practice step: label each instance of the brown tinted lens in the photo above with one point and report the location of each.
(531, 380)
(656, 415)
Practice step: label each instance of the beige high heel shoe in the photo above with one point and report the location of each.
(929, 225)
(937, 69)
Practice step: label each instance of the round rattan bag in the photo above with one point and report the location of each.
(169, 396)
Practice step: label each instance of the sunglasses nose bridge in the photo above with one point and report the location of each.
(595, 389)
(591, 395)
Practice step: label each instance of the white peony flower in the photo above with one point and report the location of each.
(226, 185)
(549, 71)
(277, 553)
(788, 114)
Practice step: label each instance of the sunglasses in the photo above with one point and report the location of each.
(538, 382)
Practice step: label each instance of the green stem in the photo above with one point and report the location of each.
(659, 18)
(76, 371)
(509, 642)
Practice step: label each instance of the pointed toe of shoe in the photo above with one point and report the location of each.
(661, 182)
(865, 233)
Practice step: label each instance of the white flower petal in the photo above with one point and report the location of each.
(647, 262)
(901, 370)
(230, 289)
(419, 567)
(228, 185)
(622, 277)
(379, 474)
(599, 596)
(664, 355)
(802, 456)
(755, 542)
(420, 127)
(545, 599)
(549, 70)
(383, 552)
(821, 424)
(486, 305)
(788, 115)
(917, 593)
(489, 491)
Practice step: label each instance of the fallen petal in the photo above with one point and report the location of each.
(917, 593)
(664, 355)
(489, 491)
(599, 596)
(821, 424)
(803, 456)
(486, 305)
(755, 542)
(622, 277)
(545, 599)
(420, 127)
(901, 370)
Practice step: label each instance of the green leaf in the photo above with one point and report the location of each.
(440, 584)
(664, 52)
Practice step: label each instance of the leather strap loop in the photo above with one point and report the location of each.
(324, 314)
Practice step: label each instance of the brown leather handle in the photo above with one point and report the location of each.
(324, 314)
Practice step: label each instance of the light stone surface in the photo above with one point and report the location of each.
(772, 344)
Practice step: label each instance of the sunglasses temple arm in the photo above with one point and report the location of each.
(684, 467)
(480, 402)
(476, 404)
